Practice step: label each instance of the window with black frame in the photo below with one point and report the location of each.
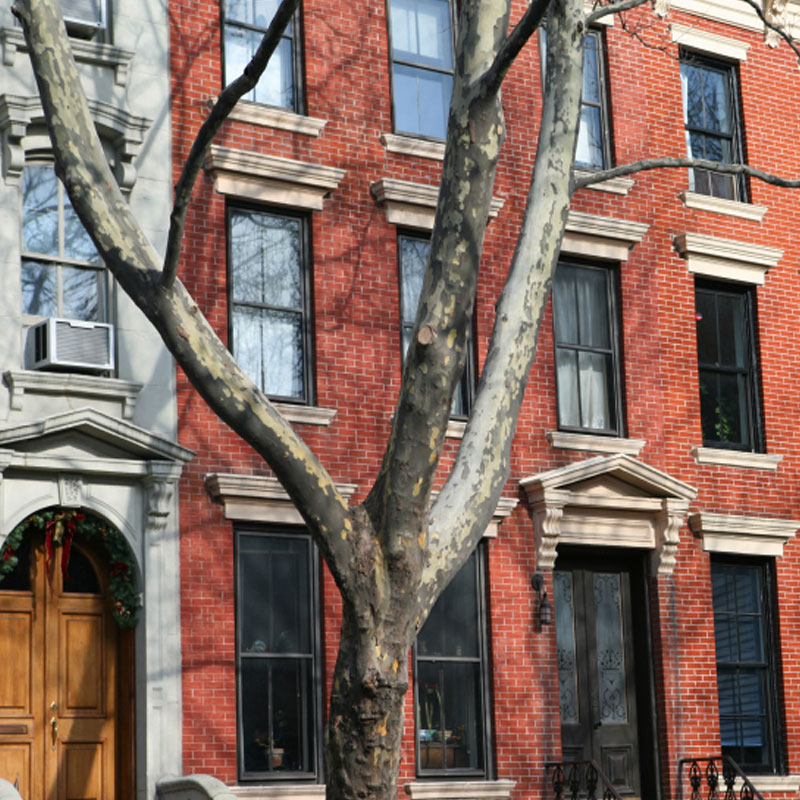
(587, 349)
(451, 679)
(712, 120)
(277, 655)
(269, 301)
(62, 274)
(413, 258)
(726, 360)
(747, 681)
(244, 24)
(593, 150)
(421, 35)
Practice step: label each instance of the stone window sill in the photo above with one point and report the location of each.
(591, 443)
(410, 146)
(731, 208)
(281, 791)
(736, 458)
(613, 186)
(460, 790)
(269, 117)
(310, 415)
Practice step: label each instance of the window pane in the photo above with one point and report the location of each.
(265, 255)
(565, 305)
(589, 152)
(40, 210)
(610, 651)
(39, 289)
(77, 243)
(732, 350)
(593, 322)
(276, 85)
(421, 32)
(595, 390)
(421, 100)
(565, 644)
(568, 394)
(81, 293)
(251, 12)
(276, 717)
(413, 259)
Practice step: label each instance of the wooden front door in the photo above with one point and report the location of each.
(58, 679)
(597, 669)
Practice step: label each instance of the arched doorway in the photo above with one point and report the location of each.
(66, 686)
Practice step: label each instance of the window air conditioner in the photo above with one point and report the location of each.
(84, 18)
(69, 344)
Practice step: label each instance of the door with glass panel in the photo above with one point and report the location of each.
(597, 670)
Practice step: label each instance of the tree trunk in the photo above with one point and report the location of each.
(365, 726)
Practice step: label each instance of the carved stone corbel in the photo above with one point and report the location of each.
(160, 488)
(547, 529)
(668, 535)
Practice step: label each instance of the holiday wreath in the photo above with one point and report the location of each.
(60, 527)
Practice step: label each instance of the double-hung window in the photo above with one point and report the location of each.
(421, 36)
(244, 24)
(593, 150)
(62, 274)
(726, 361)
(451, 679)
(712, 121)
(747, 682)
(413, 251)
(269, 301)
(277, 648)
(587, 349)
(85, 19)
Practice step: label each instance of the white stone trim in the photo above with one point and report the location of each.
(707, 42)
(727, 259)
(104, 55)
(503, 509)
(739, 14)
(309, 415)
(612, 185)
(413, 205)
(280, 791)
(258, 498)
(727, 533)
(460, 790)
(601, 237)
(608, 501)
(410, 146)
(271, 179)
(269, 117)
(771, 783)
(71, 385)
(455, 428)
(717, 205)
(736, 458)
(591, 443)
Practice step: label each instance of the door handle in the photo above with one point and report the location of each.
(54, 732)
(597, 725)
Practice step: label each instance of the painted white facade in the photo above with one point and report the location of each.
(107, 444)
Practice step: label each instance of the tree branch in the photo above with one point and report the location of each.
(209, 129)
(692, 163)
(208, 364)
(612, 8)
(490, 81)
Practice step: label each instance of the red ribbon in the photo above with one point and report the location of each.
(48, 545)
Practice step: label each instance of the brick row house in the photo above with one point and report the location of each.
(634, 599)
(89, 458)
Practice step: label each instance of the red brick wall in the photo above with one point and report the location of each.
(357, 364)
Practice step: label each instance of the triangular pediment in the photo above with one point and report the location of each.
(618, 476)
(88, 433)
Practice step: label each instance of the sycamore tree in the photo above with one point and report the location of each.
(392, 555)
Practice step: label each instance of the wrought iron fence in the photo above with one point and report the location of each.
(580, 779)
(714, 778)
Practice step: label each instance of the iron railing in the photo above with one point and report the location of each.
(580, 779)
(714, 778)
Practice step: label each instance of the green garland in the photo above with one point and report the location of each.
(61, 525)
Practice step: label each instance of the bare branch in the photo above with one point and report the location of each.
(612, 8)
(779, 30)
(514, 42)
(691, 163)
(209, 129)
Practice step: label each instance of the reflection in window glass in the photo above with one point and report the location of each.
(268, 298)
(422, 65)
(245, 23)
(277, 646)
(450, 679)
(61, 273)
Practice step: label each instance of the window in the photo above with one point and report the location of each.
(277, 655)
(746, 673)
(270, 301)
(726, 361)
(421, 36)
(711, 117)
(594, 146)
(62, 275)
(84, 19)
(587, 349)
(244, 24)
(451, 677)
(413, 260)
